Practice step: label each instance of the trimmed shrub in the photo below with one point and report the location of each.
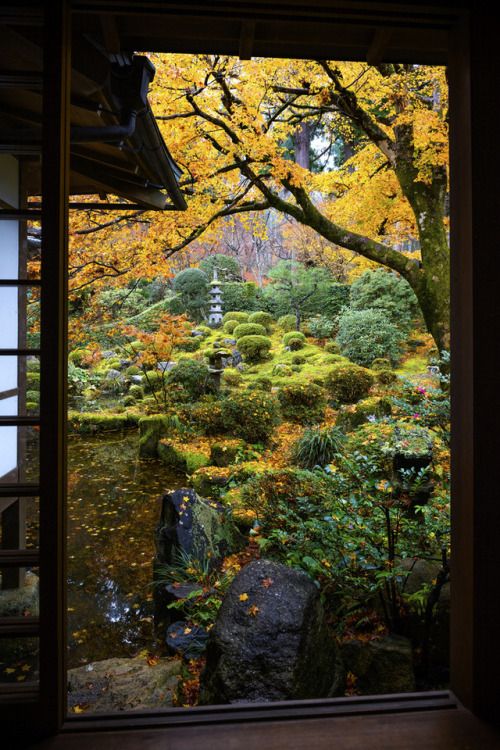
(254, 348)
(386, 377)
(189, 345)
(287, 322)
(129, 401)
(133, 370)
(368, 334)
(290, 336)
(264, 383)
(33, 397)
(282, 370)
(137, 391)
(317, 447)
(303, 403)
(321, 327)
(206, 416)
(78, 356)
(348, 420)
(230, 325)
(240, 317)
(248, 329)
(348, 383)
(192, 379)
(298, 359)
(251, 415)
(332, 347)
(381, 363)
(263, 319)
(231, 376)
(153, 380)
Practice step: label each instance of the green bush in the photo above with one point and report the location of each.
(240, 317)
(133, 370)
(332, 347)
(317, 447)
(321, 327)
(231, 376)
(263, 319)
(304, 403)
(381, 363)
(254, 348)
(248, 329)
(191, 379)
(33, 396)
(154, 380)
(205, 330)
(298, 359)
(275, 486)
(348, 420)
(206, 416)
(33, 364)
(189, 345)
(294, 336)
(129, 400)
(364, 335)
(230, 325)
(387, 292)
(137, 391)
(264, 383)
(77, 356)
(287, 322)
(386, 377)
(251, 415)
(282, 370)
(348, 383)
(33, 380)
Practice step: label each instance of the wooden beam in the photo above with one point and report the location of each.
(247, 37)
(378, 46)
(110, 33)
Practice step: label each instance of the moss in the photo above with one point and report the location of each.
(332, 347)
(93, 422)
(230, 325)
(254, 348)
(282, 370)
(129, 401)
(243, 516)
(287, 322)
(381, 363)
(133, 370)
(179, 458)
(210, 481)
(225, 452)
(31, 406)
(386, 377)
(151, 430)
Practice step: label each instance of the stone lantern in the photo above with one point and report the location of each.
(215, 311)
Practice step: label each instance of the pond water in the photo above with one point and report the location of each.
(113, 508)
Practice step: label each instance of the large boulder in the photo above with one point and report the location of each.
(124, 684)
(270, 641)
(196, 527)
(382, 665)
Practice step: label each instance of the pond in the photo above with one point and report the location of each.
(113, 508)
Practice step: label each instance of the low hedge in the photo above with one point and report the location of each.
(348, 383)
(303, 403)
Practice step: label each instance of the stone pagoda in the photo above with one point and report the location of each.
(215, 312)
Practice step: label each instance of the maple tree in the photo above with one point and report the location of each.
(238, 129)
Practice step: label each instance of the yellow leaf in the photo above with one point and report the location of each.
(243, 597)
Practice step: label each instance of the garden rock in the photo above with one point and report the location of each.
(138, 379)
(124, 684)
(270, 641)
(194, 526)
(109, 355)
(166, 366)
(189, 641)
(229, 342)
(113, 374)
(384, 665)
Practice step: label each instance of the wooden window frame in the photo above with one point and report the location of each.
(475, 222)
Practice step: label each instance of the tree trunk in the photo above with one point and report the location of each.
(302, 145)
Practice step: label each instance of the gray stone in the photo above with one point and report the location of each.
(166, 366)
(187, 640)
(136, 379)
(194, 526)
(109, 355)
(270, 641)
(124, 684)
(229, 342)
(113, 374)
(197, 333)
(383, 665)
